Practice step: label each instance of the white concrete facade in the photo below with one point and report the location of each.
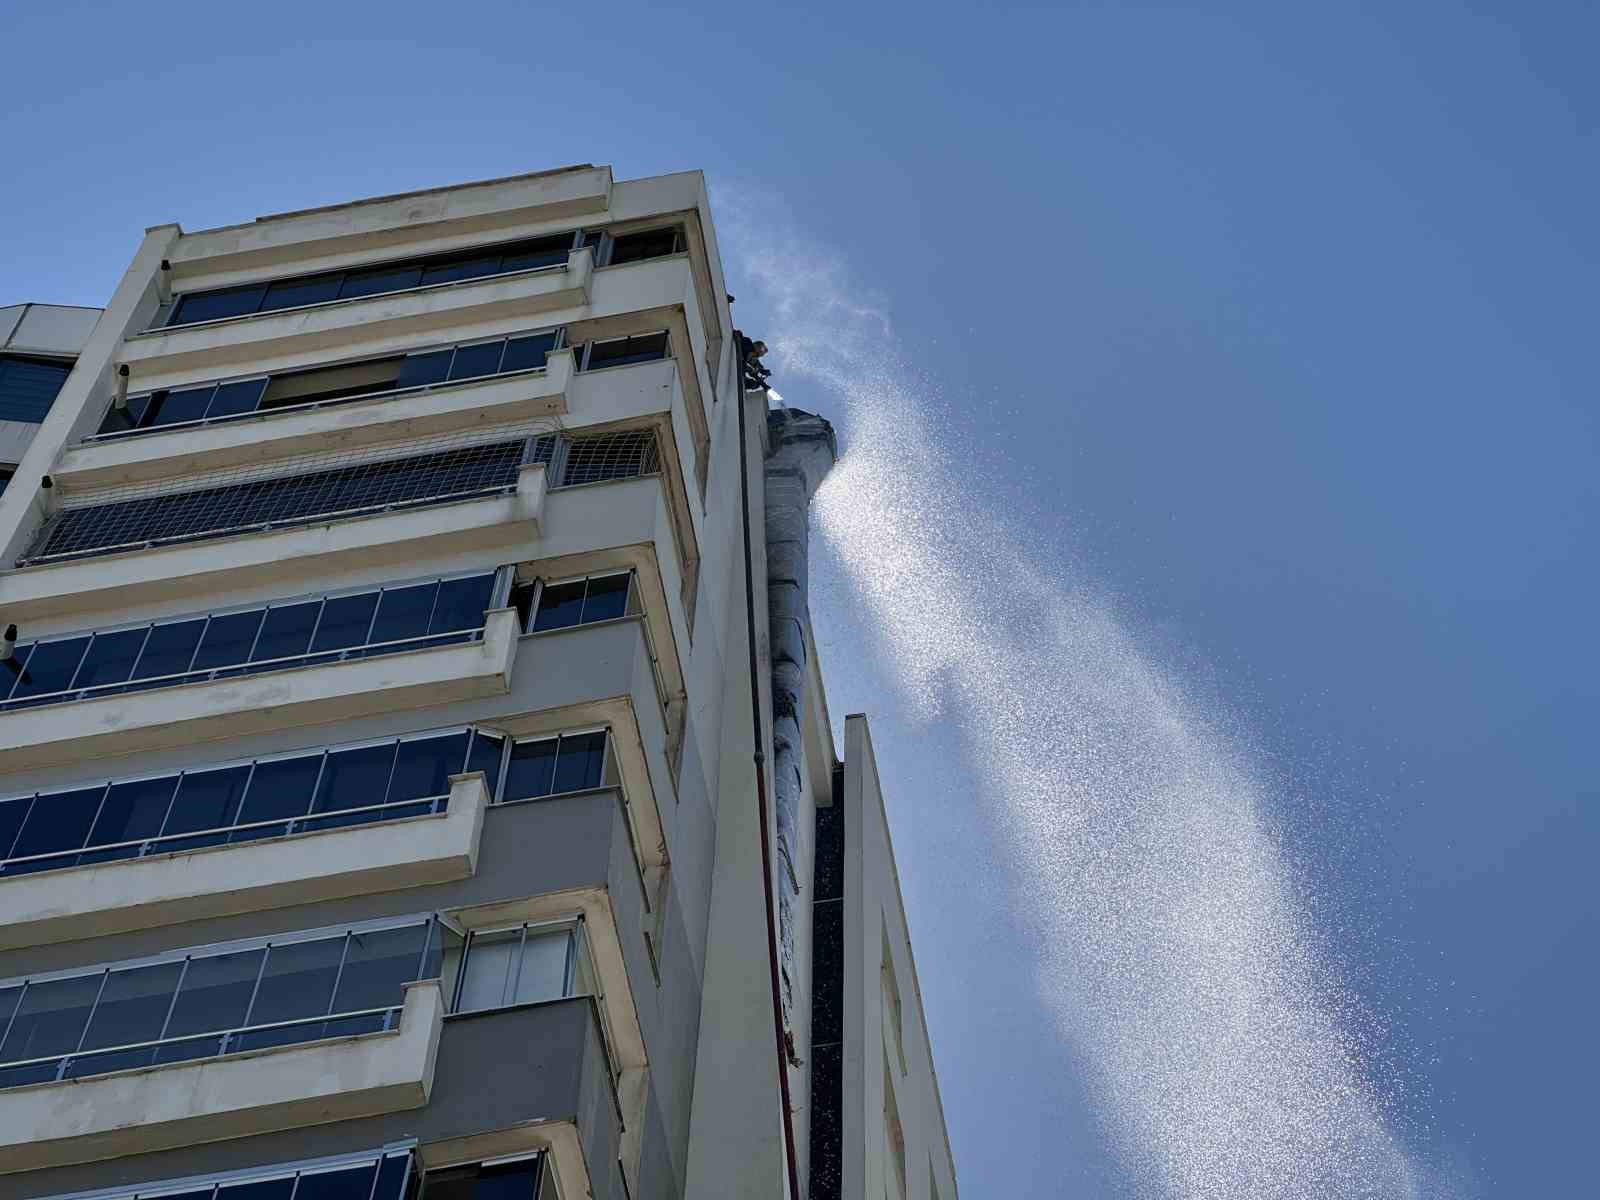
(658, 1070)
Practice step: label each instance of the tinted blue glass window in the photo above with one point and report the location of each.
(213, 306)
(231, 399)
(110, 658)
(133, 1006)
(291, 293)
(480, 359)
(208, 800)
(404, 612)
(14, 668)
(546, 252)
(227, 640)
(620, 352)
(135, 809)
(257, 1189)
(378, 964)
(467, 268)
(380, 279)
(508, 1181)
(188, 404)
(485, 755)
(531, 770)
(50, 667)
(286, 632)
(560, 605)
(607, 598)
(347, 1183)
(355, 778)
(461, 604)
(526, 353)
(169, 649)
(580, 761)
(423, 766)
(280, 788)
(28, 387)
(215, 993)
(393, 1176)
(50, 1018)
(298, 981)
(345, 621)
(59, 821)
(420, 370)
(12, 814)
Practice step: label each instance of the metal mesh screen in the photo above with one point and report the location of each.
(605, 456)
(353, 489)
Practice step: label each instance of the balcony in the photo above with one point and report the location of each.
(506, 522)
(216, 347)
(221, 879)
(285, 698)
(368, 422)
(153, 1108)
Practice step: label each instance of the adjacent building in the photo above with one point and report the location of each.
(417, 778)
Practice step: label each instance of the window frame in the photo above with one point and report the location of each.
(541, 583)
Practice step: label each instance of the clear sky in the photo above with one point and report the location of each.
(1275, 321)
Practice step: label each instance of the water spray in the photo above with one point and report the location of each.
(1179, 962)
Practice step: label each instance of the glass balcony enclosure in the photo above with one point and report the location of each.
(336, 383)
(251, 800)
(385, 1174)
(453, 266)
(305, 631)
(229, 804)
(263, 993)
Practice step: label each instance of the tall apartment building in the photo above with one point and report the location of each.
(417, 777)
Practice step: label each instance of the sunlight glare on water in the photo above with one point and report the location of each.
(1175, 957)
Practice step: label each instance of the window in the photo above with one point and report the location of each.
(581, 601)
(260, 504)
(28, 386)
(340, 382)
(7, 470)
(373, 1175)
(194, 649)
(572, 762)
(216, 1000)
(651, 243)
(526, 964)
(518, 1179)
(607, 456)
(445, 267)
(623, 351)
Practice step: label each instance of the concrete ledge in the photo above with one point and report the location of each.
(113, 582)
(196, 712)
(354, 425)
(345, 324)
(115, 897)
(156, 1108)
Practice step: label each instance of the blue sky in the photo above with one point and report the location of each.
(1276, 322)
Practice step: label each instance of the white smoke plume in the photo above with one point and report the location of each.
(1175, 954)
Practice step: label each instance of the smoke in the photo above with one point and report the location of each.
(1175, 954)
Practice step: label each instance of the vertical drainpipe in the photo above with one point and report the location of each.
(804, 450)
